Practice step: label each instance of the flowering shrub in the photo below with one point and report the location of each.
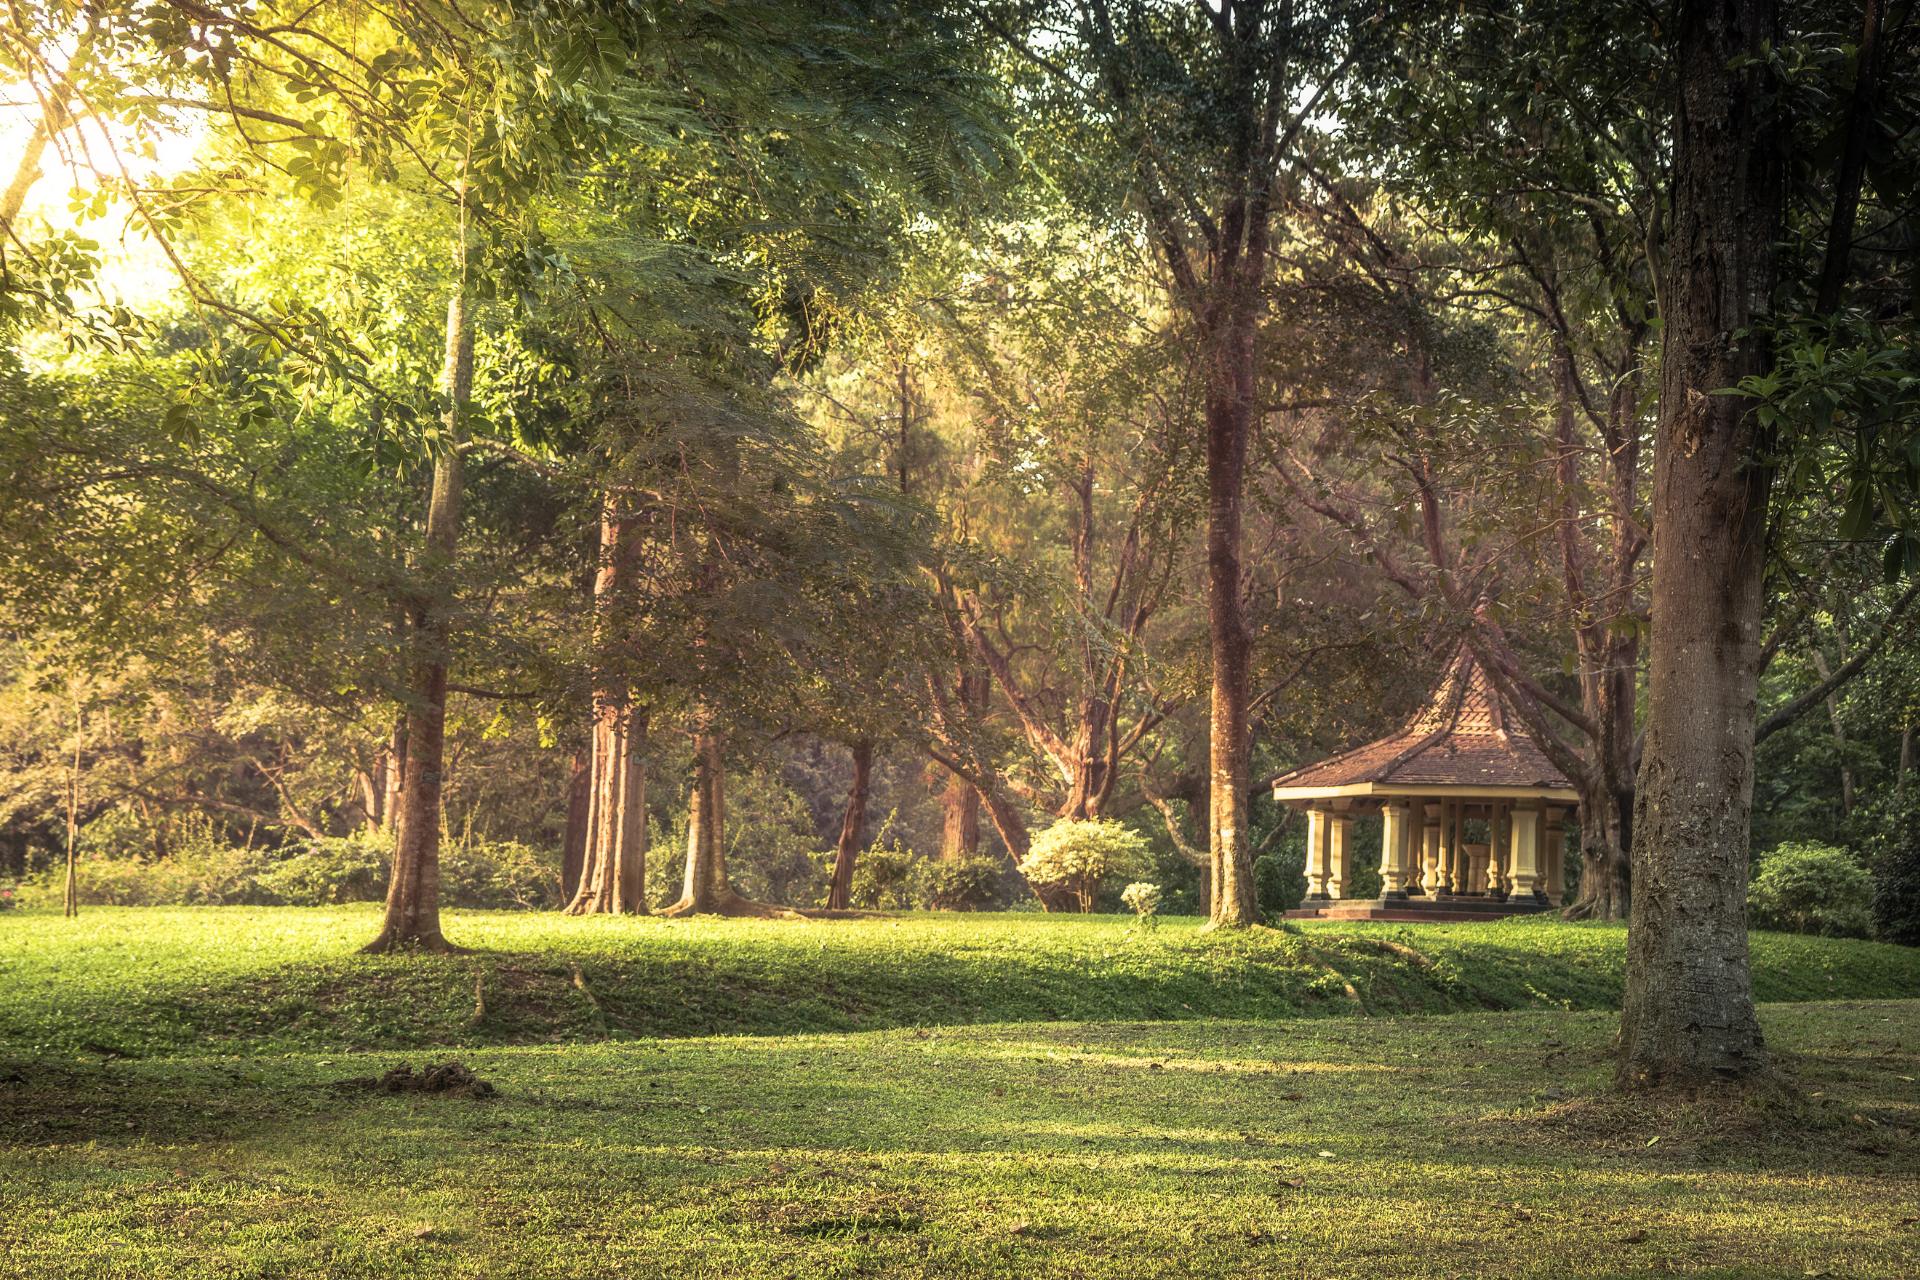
(1144, 898)
(1078, 856)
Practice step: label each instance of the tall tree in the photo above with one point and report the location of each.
(1206, 110)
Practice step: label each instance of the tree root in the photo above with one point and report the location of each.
(580, 985)
(732, 906)
(1353, 992)
(479, 1001)
(434, 943)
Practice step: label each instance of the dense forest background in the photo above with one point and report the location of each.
(822, 405)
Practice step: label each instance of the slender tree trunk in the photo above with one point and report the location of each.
(72, 901)
(1906, 760)
(413, 897)
(1688, 1016)
(707, 889)
(1229, 421)
(852, 829)
(573, 857)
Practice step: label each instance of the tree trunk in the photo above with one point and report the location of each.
(1229, 421)
(573, 857)
(707, 889)
(1906, 760)
(413, 897)
(613, 877)
(1688, 1016)
(959, 820)
(852, 829)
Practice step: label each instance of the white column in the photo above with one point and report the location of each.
(1556, 846)
(1430, 877)
(1394, 841)
(1316, 855)
(1526, 853)
(1340, 849)
(1500, 844)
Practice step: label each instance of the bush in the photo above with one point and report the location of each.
(969, 884)
(1811, 888)
(1144, 898)
(1280, 881)
(1896, 889)
(1079, 856)
(326, 872)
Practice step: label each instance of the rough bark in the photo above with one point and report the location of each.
(707, 890)
(959, 820)
(413, 897)
(614, 867)
(1229, 422)
(853, 829)
(1688, 1016)
(613, 877)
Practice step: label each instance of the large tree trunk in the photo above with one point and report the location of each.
(413, 897)
(853, 829)
(707, 889)
(959, 820)
(1688, 1017)
(613, 879)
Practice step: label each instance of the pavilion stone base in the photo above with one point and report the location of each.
(1441, 910)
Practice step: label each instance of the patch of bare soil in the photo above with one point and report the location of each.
(447, 1079)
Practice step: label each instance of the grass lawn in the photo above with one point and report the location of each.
(156, 981)
(1158, 1143)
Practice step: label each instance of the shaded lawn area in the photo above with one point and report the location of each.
(265, 981)
(1468, 1145)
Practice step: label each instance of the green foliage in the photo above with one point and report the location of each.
(1080, 856)
(1812, 888)
(1144, 898)
(969, 884)
(1896, 878)
(203, 869)
(1280, 880)
(882, 877)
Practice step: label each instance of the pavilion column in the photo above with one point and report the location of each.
(1432, 880)
(1340, 848)
(1462, 856)
(1500, 850)
(1556, 851)
(1317, 830)
(1394, 843)
(1526, 854)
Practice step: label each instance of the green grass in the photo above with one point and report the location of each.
(1408, 1147)
(925, 1096)
(265, 981)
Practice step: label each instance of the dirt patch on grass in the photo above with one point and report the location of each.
(448, 1079)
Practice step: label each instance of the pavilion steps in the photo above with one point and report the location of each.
(1413, 910)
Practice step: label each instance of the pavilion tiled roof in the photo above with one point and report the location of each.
(1466, 736)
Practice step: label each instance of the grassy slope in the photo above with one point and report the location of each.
(275, 980)
(1325, 1148)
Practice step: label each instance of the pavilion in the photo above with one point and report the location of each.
(1462, 760)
